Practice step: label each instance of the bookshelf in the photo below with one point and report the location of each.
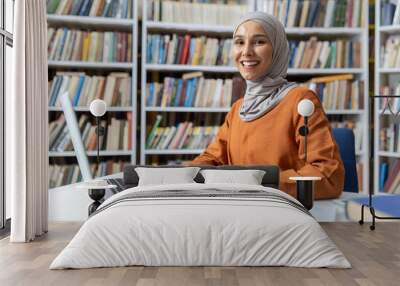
(186, 109)
(86, 109)
(90, 65)
(125, 21)
(90, 153)
(356, 33)
(90, 22)
(189, 68)
(386, 75)
(151, 26)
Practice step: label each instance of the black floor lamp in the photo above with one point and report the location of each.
(305, 185)
(97, 108)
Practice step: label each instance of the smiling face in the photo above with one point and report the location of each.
(252, 50)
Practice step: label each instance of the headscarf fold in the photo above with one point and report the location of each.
(263, 94)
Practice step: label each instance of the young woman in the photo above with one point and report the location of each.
(263, 126)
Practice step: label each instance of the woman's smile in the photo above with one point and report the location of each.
(249, 64)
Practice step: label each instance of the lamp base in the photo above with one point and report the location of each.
(96, 195)
(305, 190)
(305, 193)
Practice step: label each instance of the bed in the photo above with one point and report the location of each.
(201, 224)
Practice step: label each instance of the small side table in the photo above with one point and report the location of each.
(96, 193)
(305, 190)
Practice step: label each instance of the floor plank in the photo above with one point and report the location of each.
(374, 255)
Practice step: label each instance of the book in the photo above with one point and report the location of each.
(387, 13)
(313, 12)
(52, 6)
(393, 172)
(152, 133)
(130, 123)
(383, 173)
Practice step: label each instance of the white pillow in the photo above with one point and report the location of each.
(249, 177)
(163, 176)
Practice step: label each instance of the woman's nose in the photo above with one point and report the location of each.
(247, 49)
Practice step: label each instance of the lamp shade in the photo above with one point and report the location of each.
(305, 107)
(98, 107)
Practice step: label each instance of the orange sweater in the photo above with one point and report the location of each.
(274, 139)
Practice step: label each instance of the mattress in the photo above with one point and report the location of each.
(201, 225)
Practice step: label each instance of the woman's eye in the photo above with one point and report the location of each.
(260, 42)
(238, 42)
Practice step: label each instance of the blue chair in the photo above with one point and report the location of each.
(345, 139)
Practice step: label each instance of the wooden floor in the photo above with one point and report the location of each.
(374, 255)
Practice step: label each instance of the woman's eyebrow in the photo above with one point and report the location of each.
(260, 35)
(252, 36)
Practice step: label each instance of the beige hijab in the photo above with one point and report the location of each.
(263, 94)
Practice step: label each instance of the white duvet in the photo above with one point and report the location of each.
(200, 231)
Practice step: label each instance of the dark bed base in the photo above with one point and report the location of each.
(270, 179)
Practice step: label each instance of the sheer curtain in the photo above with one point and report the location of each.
(26, 123)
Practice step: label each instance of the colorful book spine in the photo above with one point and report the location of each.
(182, 136)
(190, 92)
(78, 45)
(92, 8)
(339, 92)
(188, 50)
(311, 13)
(225, 13)
(341, 53)
(115, 89)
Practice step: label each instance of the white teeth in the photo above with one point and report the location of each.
(248, 63)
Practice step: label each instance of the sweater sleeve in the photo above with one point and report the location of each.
(323, 157)
(217, 152)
